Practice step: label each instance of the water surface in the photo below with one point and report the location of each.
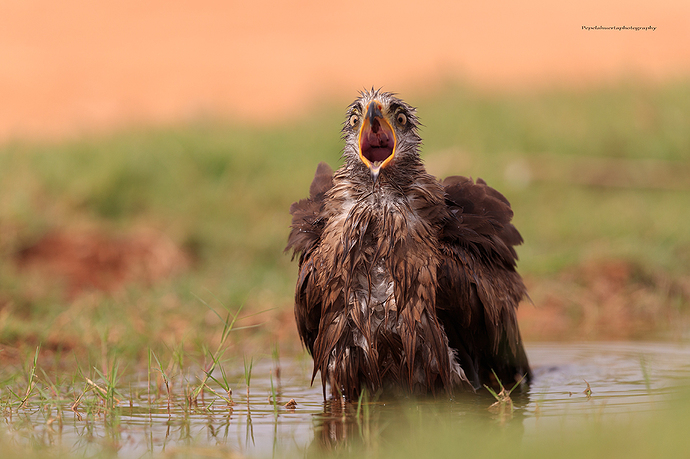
(572, 382)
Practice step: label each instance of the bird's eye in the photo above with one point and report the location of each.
(401, 118)
(354, 119)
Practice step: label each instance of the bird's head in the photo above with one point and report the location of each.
(380, 130)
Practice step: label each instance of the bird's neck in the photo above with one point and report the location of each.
(394, 179)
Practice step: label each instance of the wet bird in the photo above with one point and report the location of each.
(405, 283)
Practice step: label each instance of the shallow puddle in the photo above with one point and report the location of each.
(572, 382)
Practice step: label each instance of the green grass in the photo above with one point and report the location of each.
(222, 193)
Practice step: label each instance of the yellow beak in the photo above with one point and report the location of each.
(377, 140)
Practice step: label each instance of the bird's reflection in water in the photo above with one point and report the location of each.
(396, 422)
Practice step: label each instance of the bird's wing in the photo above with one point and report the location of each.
(307, 227)
(478, 287)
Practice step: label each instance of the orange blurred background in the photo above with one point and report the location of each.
(76, 66)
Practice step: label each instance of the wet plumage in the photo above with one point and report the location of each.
(405, 283)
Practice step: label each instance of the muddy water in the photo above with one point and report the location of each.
(623, 379)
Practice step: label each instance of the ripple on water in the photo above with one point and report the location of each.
(623, 378)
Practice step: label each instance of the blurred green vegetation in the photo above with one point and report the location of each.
(592, 174)
(597, 435)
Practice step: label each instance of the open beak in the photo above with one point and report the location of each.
(376, 140)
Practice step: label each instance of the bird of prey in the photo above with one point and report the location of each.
(405, 283)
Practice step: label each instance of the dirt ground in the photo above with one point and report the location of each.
(76, 66)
